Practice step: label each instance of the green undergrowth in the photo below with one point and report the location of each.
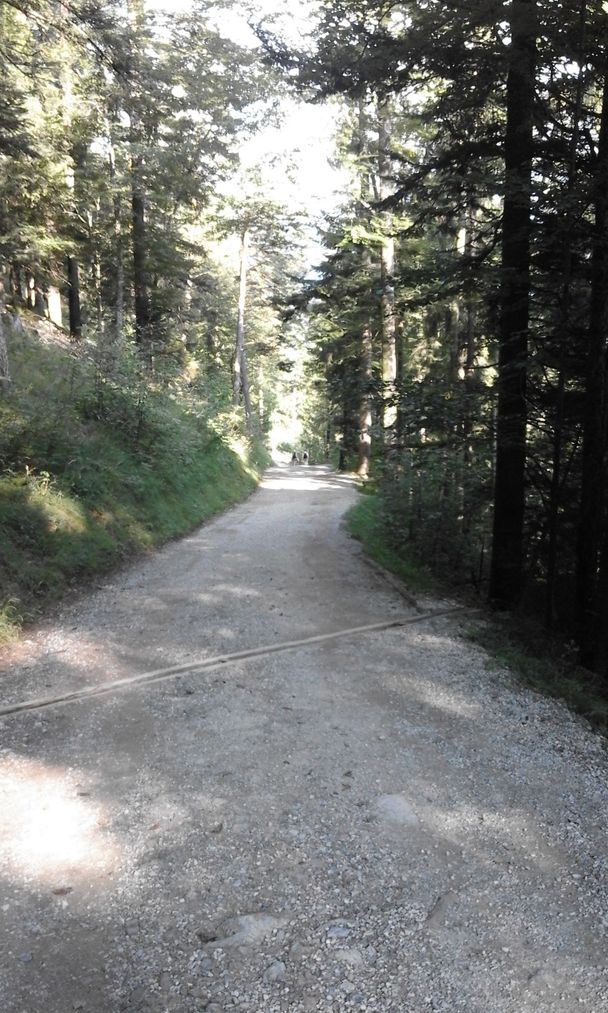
(543, 663)
(95, 470)
(366, 523)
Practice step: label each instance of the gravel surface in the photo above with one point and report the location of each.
(375, 823)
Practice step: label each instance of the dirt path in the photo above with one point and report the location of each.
(376, 823)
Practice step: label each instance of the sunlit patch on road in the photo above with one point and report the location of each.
(303, 478)
(51, 830)
(295, 484)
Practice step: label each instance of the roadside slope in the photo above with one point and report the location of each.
(99, 465)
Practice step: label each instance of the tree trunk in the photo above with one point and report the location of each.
(563, 337)
(5, 376)
(506, 580)
(345, 428)
(71, 166)
(469, 398)
(140, 281)
(240, 383)
(98, 292)
(261, 396)
(387, 280)
(16, 287)
(119, 307)
(365, 403)
(36, 298)
(119, 310)
(594, 439)
(137, 20)
(366, 350)
(75, 314)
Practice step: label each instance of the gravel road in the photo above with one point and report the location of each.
(379, 822)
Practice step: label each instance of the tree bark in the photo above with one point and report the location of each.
(365, 402)
(470, 355)
(71, 167)
(387, 280)
(240, 383)
(506, 578)
(592, 509)
(366, 348)
(261, 409)
(74, 310)
(140, 281)
(96, 266)
(16, 285)
(141, 295)
(119, 307)
(563, 337)
(5, 376)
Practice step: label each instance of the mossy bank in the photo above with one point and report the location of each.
(100, 461)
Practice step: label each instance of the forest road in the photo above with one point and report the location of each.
(378, 822)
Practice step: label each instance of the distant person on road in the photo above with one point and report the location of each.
(305, 457)
(294, 458)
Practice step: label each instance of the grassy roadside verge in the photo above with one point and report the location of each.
(541, 663)
(365, 522)
(89, 480)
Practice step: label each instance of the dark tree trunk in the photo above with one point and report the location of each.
(470, 330)
(17, 288)
(74, 310)
(5, 376)
(140, 281)
(37, 300)
(96, 266)
(365, 402)
(506, 578)
(139, 238)
(348, 447)
(72, 166)
(594, 440)
(240, 379)
(388, 315)
(366, 348)
(119, 309)
(563, 337)
(469, 414)
(119, 306)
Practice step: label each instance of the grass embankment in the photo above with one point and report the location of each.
(365, 522)
(98, 466)
(541, 662)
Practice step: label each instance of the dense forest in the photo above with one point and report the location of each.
(450, 347)
(461, 314)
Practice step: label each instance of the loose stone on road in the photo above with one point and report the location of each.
(380, 822)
